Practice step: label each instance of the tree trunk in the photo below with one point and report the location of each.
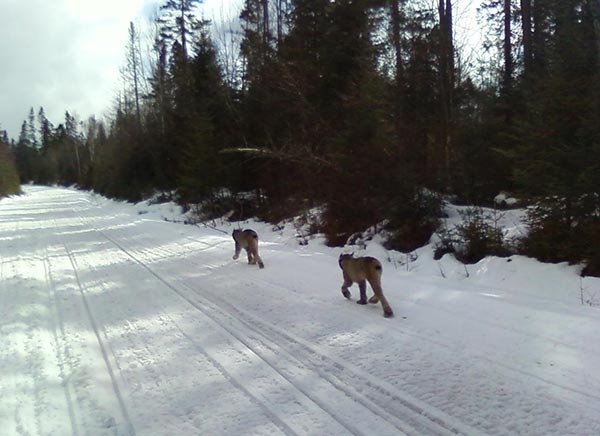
(280, 18)
(447, 78)
(540, 25)
(527, 37)
(183, 31)
(595, 8)
(395, 17)
(508, 60)
(265, 12)
(135, 67)
(450, 42)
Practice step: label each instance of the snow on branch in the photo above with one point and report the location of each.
(303, 157)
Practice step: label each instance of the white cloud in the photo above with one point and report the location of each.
(62, 55)
(66, 54)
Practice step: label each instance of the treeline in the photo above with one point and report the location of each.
(9, 178)
(363, 107)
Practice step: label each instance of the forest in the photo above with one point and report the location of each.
(367, 110)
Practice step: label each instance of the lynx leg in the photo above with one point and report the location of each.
(374, 299)
(347, 283)
(387, 310)
(362, 285)
(238, 248)
(259, 261)
(251, 260)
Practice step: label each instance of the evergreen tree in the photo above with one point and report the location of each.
(31, 130)
(557, 157)
(199, 172)
(447, 82)
(46, 168)
(45, 129)
(328, 109)
(26, 154)
(173, 87)
(178, 23)
(9, 178)
(159, 118)
(256, 45)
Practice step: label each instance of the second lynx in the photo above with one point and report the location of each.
(247, 240)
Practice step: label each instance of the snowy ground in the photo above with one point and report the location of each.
(115, 322)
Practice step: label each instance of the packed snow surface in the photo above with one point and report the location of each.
(114, 321)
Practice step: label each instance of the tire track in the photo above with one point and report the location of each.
(280, 423)
(276, 420)
(26, 323)
(515, 373)
(272, 415)
(96, 330)
(374, 394)
(503, 365)
(234, 334)
(541, 385)
(419, 416)
(63, 353)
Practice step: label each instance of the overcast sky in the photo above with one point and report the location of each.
(64, 55)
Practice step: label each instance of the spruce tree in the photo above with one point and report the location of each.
(26, 154)
(9, 178)
(178, 23)
(199, 171)
(557, 157)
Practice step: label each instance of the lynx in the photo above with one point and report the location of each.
(360, 270)
(248, 240)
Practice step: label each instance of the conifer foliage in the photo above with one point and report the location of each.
(366, 108)
(9, 178)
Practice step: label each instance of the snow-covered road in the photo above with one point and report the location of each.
(114, 322)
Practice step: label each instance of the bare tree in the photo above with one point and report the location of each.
(132, 72)
(227, 34)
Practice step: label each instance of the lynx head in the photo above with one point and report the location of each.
(345, 256)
